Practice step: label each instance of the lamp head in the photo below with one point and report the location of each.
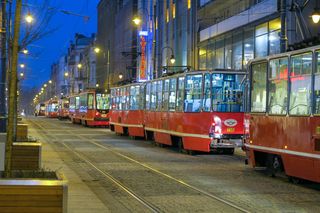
(316, 16)
(172, 59)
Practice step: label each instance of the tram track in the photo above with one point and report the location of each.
(125, 188)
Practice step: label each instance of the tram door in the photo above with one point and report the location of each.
(165, 105)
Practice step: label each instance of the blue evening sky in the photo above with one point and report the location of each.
(51, 47)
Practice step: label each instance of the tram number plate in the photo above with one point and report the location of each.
(230, 129)
(103, 115)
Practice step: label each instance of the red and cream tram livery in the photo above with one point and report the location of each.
(283, 123)
(51, 108)
(91, 108)
(196, 111)
(63, 110)
(127, 115)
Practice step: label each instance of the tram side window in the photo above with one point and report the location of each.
(83, 103)
(193, 92)
(259, 87)
(180, 94)
(118, 99)
(134, 97)
(72, 104)
(90, 101)
(148, 96)
(172, 95)
(122, 98)
(226, 93)
(102, 101)
(77, 102)
(165, 101)
(278, 86)
(142, 96)
(300, 87)
(207, 93)
(159, 95)
(153, 104)
(317, 85)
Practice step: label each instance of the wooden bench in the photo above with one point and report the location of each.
(26, 156)
(33, 196)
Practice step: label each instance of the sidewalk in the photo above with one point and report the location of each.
(81, 199)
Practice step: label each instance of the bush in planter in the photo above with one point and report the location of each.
(33, 191)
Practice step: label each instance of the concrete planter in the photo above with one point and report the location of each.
(26, 156)
(22, 132)
(43, 194)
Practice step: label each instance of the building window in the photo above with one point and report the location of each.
(202, 58)
(167, 15)
(219, 62)
(237, 51)
(173, 10)
(189, 4)
(233, 51)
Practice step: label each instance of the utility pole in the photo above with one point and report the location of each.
(12, 89)
(3, 72)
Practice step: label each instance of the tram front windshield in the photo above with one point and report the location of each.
(227, 95)
(102, 101)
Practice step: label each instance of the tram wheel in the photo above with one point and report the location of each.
(274, 165)
(191, 152)
(229, 151)
(180, 146)
(295, 180)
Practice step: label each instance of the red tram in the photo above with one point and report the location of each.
(90, 108)
(63, 110)
(283, 123)
(196, 111)
(51, 108)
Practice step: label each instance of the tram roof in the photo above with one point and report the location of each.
(216, 71)
(285, 54)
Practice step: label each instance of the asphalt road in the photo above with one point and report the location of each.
(110, 173)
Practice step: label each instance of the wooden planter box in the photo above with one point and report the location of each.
(22, 132)
(26, 156)
(33, 195)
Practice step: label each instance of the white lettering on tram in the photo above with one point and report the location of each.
(303, 154)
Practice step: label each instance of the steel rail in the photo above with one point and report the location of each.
(107, 175)
(210, 195)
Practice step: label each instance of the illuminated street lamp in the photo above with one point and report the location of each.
(29, 18)
(120, 76)
(316, 16)
(97, 85)
(25, 51)
(96, 49)
(45, 85)
(21, 74)
(66, 74)
(172, 59)
(50, 82)
(42, 89)
(79, 66)
(136, 20)
(22, 65)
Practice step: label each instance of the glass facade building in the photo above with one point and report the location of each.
(234, 49)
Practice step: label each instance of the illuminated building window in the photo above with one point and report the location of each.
(189, 4)
(156, 23)
(167, 15)
(173, 10)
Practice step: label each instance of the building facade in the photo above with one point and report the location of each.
(175, 35)
(233, 32)
(116, 36)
